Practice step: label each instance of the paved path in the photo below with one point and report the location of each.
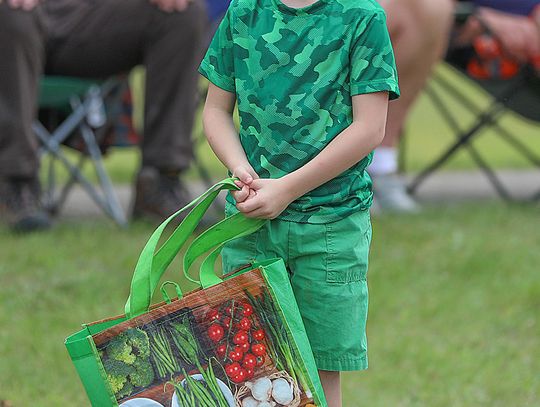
(441, 187)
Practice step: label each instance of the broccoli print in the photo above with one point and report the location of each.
(126, 360)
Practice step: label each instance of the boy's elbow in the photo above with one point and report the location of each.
(206, 119)
(378, 136)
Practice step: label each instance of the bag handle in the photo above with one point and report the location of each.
(215, 238)
(151, 264)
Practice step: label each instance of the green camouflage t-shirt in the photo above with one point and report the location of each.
(294, 72)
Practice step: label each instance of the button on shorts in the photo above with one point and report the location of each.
(328, 266)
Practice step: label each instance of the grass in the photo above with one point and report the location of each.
(455, 293)
(453, 319)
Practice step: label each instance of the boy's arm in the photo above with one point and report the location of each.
(349, 147)
(223, 137)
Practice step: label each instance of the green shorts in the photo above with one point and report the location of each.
(328, 266)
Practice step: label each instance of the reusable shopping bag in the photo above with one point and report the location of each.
(235, 341)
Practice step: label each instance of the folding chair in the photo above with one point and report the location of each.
(519, 94)
(83, 110)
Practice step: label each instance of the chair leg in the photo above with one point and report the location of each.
(110, 203)
(463, 140)
(68, 186)
(486, 119)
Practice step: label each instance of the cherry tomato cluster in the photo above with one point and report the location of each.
(237, 338)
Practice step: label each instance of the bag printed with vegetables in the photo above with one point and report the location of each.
(237, 353)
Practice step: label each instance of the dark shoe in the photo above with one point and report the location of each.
(158, 195)
(20, 207)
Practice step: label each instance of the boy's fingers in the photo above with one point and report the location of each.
(256, 183)
(241, 195)
(249, 205)
(243, 175)
(257, 213)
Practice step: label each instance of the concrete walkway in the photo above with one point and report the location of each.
(441, 187)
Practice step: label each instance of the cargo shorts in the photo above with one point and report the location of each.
(327, 265)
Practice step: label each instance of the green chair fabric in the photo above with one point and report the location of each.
(56, 91)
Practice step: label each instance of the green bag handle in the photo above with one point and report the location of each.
(151, 264)
(215, 238)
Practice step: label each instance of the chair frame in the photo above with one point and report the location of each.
(81, 120)
(485, 118)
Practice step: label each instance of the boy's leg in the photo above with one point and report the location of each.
(329, 266)
(331, 382)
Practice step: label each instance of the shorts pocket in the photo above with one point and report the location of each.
(348, 241)
(239, 252)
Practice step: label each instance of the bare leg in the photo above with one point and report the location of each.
(419, 30)
(331, 382)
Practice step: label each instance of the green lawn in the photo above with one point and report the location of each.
(454, 321)
(455, 293)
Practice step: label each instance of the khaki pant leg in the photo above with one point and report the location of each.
(22, 37)
(115, 36)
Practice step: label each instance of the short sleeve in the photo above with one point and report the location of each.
(218, 63)
(373, 66)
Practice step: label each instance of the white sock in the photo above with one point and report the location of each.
(384, 161)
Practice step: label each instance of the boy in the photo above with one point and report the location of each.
(312, 82)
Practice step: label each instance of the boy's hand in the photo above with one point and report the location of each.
(271, 198)
(246, 175)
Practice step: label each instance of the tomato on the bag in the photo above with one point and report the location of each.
(213, 315)
(215, 332)
(241, 376)
(244, 324)
(226, 322)
(236, 354)
(250, 361)
(221, 350)
(247, 309)
(245, 347)
(258, 349)
(258, 335)
(260, 361)
(240, 337)
(232, 369)
(250, 373)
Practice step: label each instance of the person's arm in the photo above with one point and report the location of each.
(518, 35)
(365, 133)
(223, 137)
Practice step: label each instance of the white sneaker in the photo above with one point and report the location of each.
(391, 194)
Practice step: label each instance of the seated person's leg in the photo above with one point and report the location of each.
(21, 60)
(419, 30)
(116, 36)
(171, 61)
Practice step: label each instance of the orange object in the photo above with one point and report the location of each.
(489, 61)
